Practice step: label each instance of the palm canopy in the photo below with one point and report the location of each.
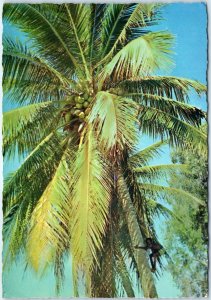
(86, 88)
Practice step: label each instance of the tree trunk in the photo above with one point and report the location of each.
(146, 278)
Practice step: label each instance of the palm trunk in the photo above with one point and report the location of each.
(146, 278)
(103, 277)
(126, 280)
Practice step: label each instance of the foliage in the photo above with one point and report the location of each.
(190, 238)
(86, 89)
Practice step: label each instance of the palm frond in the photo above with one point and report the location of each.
(180, 110)
(59, 269)
(90, 202)
(168, 192)
(164, 86)
(25, 127)
(23, 189)
(22, 63)
(139, 57)
(169, 127)
(131, 20)
(115, 120)
(48, 230)
(49, 149)
(29, 92)
(96, 19)
(46, 35)
(78, 15)
(157, 209)
(145, 155)
(111, 24)
(158, 171)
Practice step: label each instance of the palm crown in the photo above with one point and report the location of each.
(85, 85)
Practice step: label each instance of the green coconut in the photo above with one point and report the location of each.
(78, 99)
(77, 112)
(81, 115)
(85, 96)
(86, 104)
(79, 105)
(68, 117)
(72, 111)
(90, 99)
(81, 100)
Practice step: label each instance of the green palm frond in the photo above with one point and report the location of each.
(157, 209)
(20, 201)
(48, 230)
(25, 127)
(29, 92)
(21, 62)
(166, 126)
(115, 120)
(59, 268)
(164, 86)
(168, 192)
(22, 192)
(127, 20)
(96, 19)
(45, 34)
(37, 162)
(158, 171)
(111, 24)
(139, 57)
(90, 202)
(180, 110)
(145, 155)
(75, 278)
(78, 16)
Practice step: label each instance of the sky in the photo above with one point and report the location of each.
(188, 24)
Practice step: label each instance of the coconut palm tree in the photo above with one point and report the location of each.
(83, 77)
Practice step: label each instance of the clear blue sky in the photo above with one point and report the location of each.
(188, 23)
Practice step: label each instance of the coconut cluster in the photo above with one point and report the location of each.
(82, 105)
(79, 107)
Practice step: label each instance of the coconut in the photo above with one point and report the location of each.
(77, 112)
(90, 99)
(85, 96)
(81, 115)
(80, 100)
(68, 117)
(78, 105)
(75, 98)
(72, 111)
(87, 111)
(86, 104)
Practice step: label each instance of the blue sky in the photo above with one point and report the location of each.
(188, 23)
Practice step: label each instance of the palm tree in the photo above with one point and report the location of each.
(85, 87)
